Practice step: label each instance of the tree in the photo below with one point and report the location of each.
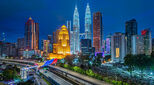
(142, 62)
(130, 62)
(69, 59)
(107, 58)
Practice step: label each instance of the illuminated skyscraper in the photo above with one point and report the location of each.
(97, 32)
(118, 47)
(88, 29)
(31, 35)
(146, 33)
(76, 31)
(131, 29)
(62, 48)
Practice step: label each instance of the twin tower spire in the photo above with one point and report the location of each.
(76, 28)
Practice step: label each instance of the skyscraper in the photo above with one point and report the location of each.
(76, 31)
(108, 45)
(146, 33)
(88, 29)
(97, 32)
(31, 35)
(131, 29)
(62, 48)
(118, 47)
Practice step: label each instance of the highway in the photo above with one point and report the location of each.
(56, 78)
(71, 77)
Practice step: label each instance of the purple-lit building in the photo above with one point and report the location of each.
(108, 45)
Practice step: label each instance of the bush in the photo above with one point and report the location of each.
(66, 66)
(106, 80)
(90, 73)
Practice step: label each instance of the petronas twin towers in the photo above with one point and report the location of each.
(76, 29)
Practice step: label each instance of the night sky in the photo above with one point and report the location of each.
(51, 14)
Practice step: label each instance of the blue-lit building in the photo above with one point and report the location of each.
(76, 31)
(86, 48)
(88, 29)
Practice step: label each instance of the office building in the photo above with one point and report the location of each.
(108, 45)
(88, 29)
(146, 33)
(46, 46)
(130, 30)
(50, 38)
(97, 32)
(86, 48)
(20, 46)
(118, 47)
(31, 35)
(62, 48)
(76, 31)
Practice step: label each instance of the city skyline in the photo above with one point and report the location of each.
(113, 20)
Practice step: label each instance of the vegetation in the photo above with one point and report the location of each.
(90, 73)
(10, 73)
(29, 82)
(138, 61)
